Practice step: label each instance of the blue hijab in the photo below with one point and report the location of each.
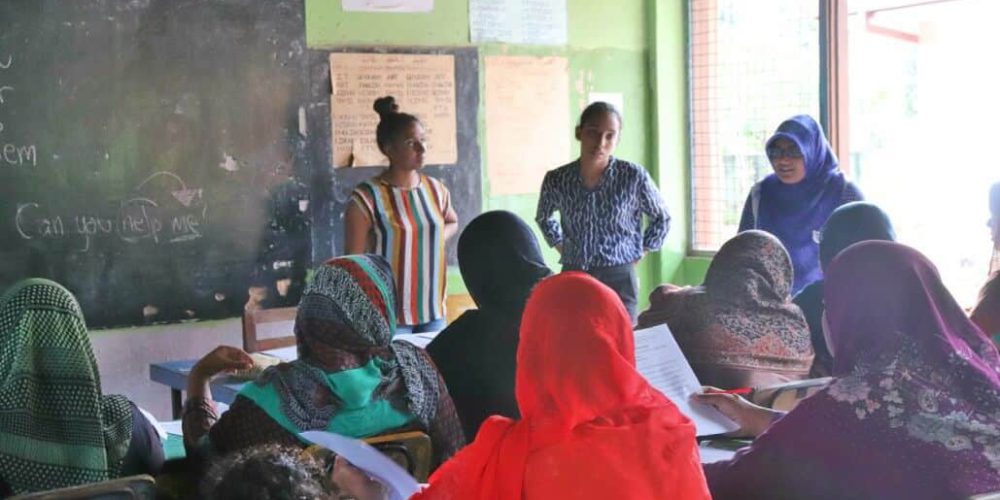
(792, 212)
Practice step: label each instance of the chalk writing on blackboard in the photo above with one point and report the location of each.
(14, 154)
(177, 217)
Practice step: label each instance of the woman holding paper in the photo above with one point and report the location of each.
(739, 328)
(591, 426)
(913, 412)
(350, 377)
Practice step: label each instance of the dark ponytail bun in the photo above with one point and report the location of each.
(391, 122)
(385, 106)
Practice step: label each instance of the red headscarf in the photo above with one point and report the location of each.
(591, 426)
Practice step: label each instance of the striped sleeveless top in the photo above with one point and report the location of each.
(409, 232)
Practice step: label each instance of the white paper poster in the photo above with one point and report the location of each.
(388, 5)
(529, 22)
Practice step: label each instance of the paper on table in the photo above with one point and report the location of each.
(660, 360)
(709, 454)
(420, 340)
(398, 482)
(290, 353)
(174, 427)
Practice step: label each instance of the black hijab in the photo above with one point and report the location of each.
(501, 262)
(849, 224)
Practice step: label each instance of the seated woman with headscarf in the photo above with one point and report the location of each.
(591, 426)
(793, 202)
(56, 428)
(849, 224)
(913, 411)
(500, 262)
(739, 328)
(349, 378)
(986, 314)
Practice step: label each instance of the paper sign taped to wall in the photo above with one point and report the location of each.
(537, 22)
(423, 85)
(388, 5)
(528, 126)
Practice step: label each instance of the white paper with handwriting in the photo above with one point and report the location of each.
(660, 360)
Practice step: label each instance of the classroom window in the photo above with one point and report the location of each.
(922, 110)
(752, 65)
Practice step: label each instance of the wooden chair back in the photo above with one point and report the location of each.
(411, 450)
(265, 329)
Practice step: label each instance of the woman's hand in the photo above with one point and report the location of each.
(355, 482)
(222, 359)
(752, 419)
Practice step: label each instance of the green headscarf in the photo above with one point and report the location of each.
(56, 429)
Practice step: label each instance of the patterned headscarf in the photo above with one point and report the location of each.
(793, 211)
(56, 429)
(350, 377)
(914, 410)
(748, 285)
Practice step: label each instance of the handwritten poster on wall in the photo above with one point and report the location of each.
(423, 85)
(388, 5)
(531, 22)
(527, 112)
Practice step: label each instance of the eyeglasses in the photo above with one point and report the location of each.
(775, 152)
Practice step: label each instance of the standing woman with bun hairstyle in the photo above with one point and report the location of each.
(406, 217)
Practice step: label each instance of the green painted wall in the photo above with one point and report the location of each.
(635, 47)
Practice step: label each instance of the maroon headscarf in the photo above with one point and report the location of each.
(914, 411)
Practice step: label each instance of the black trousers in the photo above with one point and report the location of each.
(622, 279)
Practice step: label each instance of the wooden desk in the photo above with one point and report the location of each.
(174, 374)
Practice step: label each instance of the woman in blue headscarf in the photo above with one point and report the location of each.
(794, 202)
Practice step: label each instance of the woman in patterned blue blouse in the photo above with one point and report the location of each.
(601, 200)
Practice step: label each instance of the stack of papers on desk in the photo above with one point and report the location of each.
(660, 360)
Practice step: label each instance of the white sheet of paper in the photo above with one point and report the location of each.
(660, 360)
(398, 482)
(387, 5)
(711, 454)
(173, 427)
(418, 339)
(290, 353)
(526, 22)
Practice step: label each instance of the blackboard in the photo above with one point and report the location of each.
(333, 187)
(161, 157)
(150, 154)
